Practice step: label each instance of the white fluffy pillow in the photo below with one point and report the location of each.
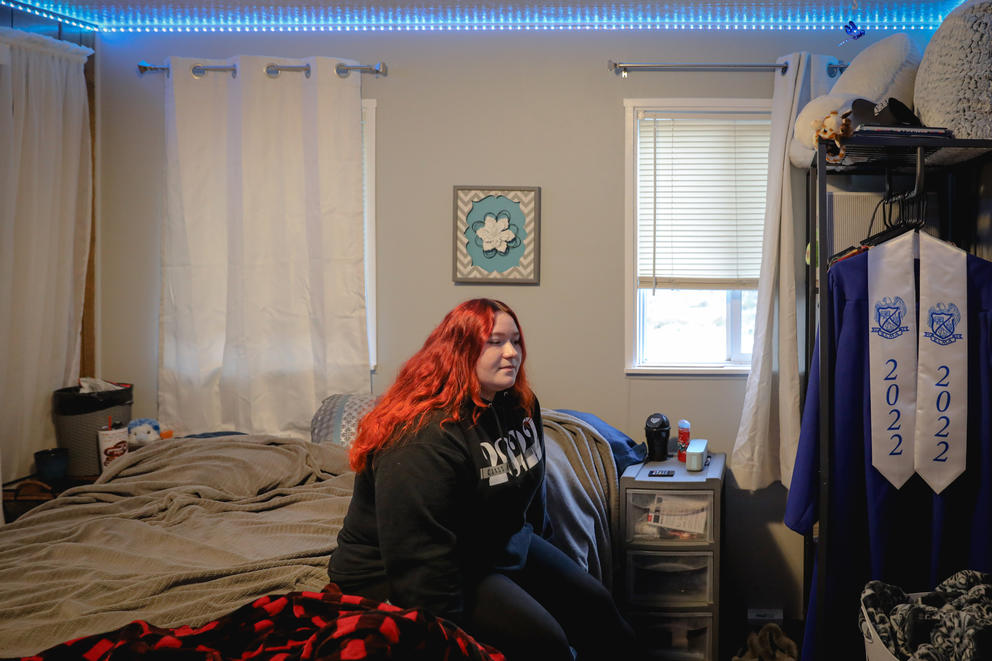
(886, 69)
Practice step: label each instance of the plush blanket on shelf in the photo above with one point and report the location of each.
(178, 533)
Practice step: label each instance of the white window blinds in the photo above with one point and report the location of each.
(701, 180)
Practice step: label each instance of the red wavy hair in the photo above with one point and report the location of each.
(439, 377)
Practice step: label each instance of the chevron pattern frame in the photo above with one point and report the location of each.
(497, 235)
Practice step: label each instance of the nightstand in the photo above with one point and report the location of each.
(670, 532)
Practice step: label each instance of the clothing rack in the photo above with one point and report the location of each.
(272, 70)
(622, 68)
(909, 154)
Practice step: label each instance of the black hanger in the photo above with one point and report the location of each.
(912, 208)
(891, 233)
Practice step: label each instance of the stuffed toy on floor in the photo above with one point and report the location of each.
(769, 644)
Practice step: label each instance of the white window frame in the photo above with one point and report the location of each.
(368, 177)
(631, 108)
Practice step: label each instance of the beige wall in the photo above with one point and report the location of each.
(523, 108)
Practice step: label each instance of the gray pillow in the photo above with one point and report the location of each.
(336, 421)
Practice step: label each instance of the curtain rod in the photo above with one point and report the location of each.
(621, 68)
(271, 70)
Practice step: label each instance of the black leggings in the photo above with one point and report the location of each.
(546, 608)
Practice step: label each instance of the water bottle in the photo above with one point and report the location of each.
(683, 439)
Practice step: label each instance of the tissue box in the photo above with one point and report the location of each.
(695, 454)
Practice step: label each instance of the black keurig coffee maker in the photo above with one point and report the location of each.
(656, 431)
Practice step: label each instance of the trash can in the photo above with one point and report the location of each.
(79, 416)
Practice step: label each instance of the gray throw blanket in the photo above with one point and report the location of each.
(179, 532)
(583, 493)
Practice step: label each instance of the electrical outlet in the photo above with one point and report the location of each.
(760, 616)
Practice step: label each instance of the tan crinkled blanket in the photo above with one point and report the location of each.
(187, 531)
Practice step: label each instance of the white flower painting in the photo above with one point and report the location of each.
(497, 236)
(496, 233)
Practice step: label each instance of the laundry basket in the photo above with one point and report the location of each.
(78, 416)
(875, 649)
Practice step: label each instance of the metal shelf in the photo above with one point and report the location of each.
(869, 153)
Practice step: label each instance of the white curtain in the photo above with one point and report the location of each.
(45, 217)
(765, 448)
(263, 300)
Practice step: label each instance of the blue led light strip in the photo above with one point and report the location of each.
(53, 16)
(819, 16)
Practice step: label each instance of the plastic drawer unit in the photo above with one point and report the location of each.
(670, 528)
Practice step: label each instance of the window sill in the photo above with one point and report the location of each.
(690, 370)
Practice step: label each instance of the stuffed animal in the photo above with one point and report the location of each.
(884, 70)
(142, 431)
(834, 127)
(769, 644)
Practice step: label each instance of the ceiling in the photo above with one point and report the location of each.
(184, 15)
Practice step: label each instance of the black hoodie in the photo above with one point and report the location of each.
(437, 511)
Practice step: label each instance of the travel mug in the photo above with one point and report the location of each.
(656, 431)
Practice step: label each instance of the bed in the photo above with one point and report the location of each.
(219, 545)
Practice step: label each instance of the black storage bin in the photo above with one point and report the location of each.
(79, 416)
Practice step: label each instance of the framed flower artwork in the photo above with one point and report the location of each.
(497, 235)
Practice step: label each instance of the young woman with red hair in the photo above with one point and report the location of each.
(448, 512)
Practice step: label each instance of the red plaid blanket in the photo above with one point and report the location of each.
(298, 625)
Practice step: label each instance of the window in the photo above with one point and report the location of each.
(696, 177)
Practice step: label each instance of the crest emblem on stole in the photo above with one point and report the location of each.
(943, 320)
(889, 313)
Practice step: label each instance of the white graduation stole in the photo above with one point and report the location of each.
(892, 357)
(942, 383)
(919, 406)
